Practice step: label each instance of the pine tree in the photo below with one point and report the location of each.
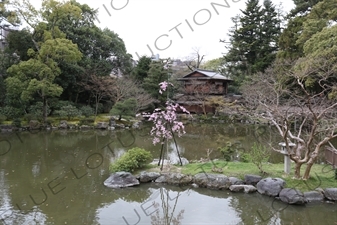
(269, 37)
(157, 73)
(253, 40)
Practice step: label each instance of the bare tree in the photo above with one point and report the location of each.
(194, 60)
(127, 88)
(306, 100)
(100, 87)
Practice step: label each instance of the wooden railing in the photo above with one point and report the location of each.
(331, 156)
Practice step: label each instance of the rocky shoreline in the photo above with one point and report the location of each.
(273, 187)
(35, 125)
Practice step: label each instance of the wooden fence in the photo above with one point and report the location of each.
(331, 156)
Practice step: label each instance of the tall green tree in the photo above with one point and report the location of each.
(253, 40)
(104, 52)
(36, 76)
(140, 72)
(159, 71)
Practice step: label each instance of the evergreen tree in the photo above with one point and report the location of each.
(253, 40)
(269, 36)
(140, 72)
(159, 71)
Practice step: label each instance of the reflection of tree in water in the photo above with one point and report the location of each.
(168, 217)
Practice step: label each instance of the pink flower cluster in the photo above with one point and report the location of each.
(163, 86)
(165, 121)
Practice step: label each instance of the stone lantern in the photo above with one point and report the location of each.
(287, 160)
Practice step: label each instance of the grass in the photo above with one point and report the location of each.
(322, 176)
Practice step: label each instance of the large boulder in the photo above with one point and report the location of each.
(235, 181)
(63, 124)
(242, 188)
(102, 125)
(330, 193)
(314, 196)
(270, 186)
(34, 125)
(214, 181)
(252, 179)
(145, 177)
(292, 196)
(121, 180)
(175, 178)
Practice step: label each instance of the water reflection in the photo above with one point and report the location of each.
(57, 177)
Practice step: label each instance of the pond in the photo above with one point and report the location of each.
(56, 177)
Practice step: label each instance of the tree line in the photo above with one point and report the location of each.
(62, 61)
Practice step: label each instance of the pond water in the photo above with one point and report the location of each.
(56, 177)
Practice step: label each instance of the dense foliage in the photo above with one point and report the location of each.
(133, 159)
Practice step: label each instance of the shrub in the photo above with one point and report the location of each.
(11, 112)
(258, 155)
(37, 110)
(28, 117)
(87, 111)
(227, 151)
(125, 108)
(133, 159)
(68, 111)
(2, 118)
(16, 122)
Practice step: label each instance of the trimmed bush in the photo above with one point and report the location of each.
(87, 111)
(68, 111)
(134, 158)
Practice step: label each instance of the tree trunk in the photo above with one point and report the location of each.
(297, 173)
(310, 163)
(44, 110)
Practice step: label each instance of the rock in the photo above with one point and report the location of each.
(252, 179)
(112, 122)
(176, 161)
(175, 178)
(121, 180)
(136, 125)
(330, 193)
(85, 127)
(194, 185)
(102, 125)
(314, 196)
(34, 125)
(242, 188)
(270, 186)
(111, 128)
(292, 196)
(235, 181)
(215, 181)
(63, 124)
(145, 177)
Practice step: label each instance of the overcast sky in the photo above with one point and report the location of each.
(170, 28)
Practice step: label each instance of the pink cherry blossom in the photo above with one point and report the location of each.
(165, 121)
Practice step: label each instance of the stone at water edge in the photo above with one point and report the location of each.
(145, 177)
(252, 179)
(120, 180)
(331, 193)
(292, 196)
(314, 196)
(270, 186)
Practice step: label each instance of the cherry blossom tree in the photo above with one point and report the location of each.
(166, 123)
